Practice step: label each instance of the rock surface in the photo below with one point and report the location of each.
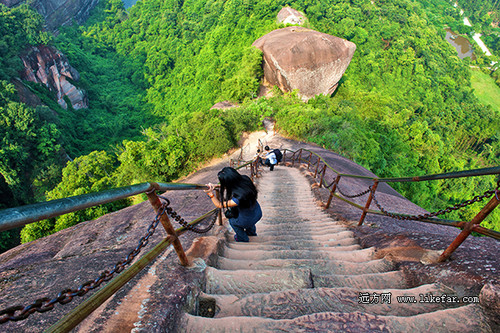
(224, 105)
(304, 59)
(59, 12)
(48, 66)
(289, 15)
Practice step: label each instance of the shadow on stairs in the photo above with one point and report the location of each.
(305, 272)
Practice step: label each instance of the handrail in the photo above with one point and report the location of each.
(467, 227)
(15, 217)
(19, 216)
(448, 175)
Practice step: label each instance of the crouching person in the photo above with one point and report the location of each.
(239, 197)
(271, 159)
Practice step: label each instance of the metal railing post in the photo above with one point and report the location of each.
(284, 156)
(300, 156)
(157, 205)
(368, 202)
(322, 176)
(468, 228)
(317, 166)
(219, 195)
(332, 191)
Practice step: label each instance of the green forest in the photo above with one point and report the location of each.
(404, 107)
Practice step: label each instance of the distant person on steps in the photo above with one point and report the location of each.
(239, 195)
(270, 158)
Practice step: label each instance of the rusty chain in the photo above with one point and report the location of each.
(347, 195)
(355, 195)
(477, 198)
(334, 182)
(186, 225)
(45, 304)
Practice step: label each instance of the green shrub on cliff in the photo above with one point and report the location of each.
(20, 26)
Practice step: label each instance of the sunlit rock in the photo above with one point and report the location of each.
(289, 15)
(48, 66)
(304, 59)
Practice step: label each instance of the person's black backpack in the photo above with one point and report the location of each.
(278, 154)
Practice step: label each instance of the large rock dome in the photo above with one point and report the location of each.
(304, 59)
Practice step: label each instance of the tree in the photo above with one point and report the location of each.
(86, 174)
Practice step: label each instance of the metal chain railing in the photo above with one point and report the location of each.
(354, 195)
(185, 224)
(45, 304)
(335, 182)
(458, 206)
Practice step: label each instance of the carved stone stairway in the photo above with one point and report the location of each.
(305, 272)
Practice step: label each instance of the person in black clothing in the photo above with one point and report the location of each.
(240, 194)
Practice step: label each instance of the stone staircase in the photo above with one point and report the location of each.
(305, 272)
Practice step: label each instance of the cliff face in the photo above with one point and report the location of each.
(46, 65)
(59, 12)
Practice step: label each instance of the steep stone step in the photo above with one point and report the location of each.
(297, 243)
(255, 281)
(286, 246)
(303, 236)
(273, 220)
(295, 227)
(317, 266)
(354, 256)
(313, 234)
(385, 280)
(463, 319)
(277, 305)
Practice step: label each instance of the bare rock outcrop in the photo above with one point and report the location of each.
(224, 105)
(304, 59)
(59, 12)
(46, 65)
(289, 15)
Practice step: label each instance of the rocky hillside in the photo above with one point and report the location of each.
(155, 299)
(59, 12)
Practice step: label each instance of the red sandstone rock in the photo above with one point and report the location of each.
(304, 59)
(46, 65)
(289, 15)
(224, 105)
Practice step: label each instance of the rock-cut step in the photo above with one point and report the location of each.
(255, 281)
(385, 280)
(463, 319)
(278, 305)
(316, 266)
(302, 243)
(353, 256)
(284, 236)
(294, 246)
